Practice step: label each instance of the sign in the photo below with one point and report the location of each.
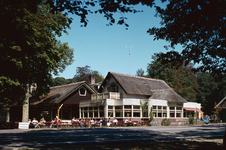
(24, 125)
(97, 103)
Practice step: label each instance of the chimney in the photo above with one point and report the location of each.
(91, 79)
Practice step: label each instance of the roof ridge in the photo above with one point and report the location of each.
(163, 89)
(67, 85)
(137, 76)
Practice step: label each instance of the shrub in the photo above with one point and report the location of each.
(165, 122)
(191, 120)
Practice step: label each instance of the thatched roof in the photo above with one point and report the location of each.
(144, 86)
(58, 93)
(167, 94)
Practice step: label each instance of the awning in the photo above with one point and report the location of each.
(193, 109)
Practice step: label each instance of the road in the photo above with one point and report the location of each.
(52, 138)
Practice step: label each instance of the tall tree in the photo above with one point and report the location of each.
(84, 73)
(33, 54)
(61, 81)
(140, 72)
(181, 77)
(200, 31)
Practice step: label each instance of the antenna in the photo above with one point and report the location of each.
(129, 46)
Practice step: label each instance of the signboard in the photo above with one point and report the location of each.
(23, 125)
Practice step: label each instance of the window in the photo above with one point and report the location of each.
(82, 91)
(159, 113)
(110, 107)
(154, 114)
(118, 114)
(112, 87)
(164, 107)
(127, 113)
(127, 107)
(95, 113)
(159, 107)
(118, 107)
(172, 114)
(154, 107)
(136, 107)
(90, 114)
(179, 114)
(136, 114)
(164, 114)
(110, 113)
(172, 108)
(179, 108)
(85, 114)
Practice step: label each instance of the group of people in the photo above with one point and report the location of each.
(93, 122)
(37, 124)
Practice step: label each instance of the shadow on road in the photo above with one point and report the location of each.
(108, 138)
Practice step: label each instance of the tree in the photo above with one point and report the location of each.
(143, 106)
(201, 32)
(84, 73)
(61, 81)
(140, 72)
(151, 115)
(211, 89)
(205, 96)
(32, 53)
(181, 77)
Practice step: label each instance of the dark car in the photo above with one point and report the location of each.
(205, 120)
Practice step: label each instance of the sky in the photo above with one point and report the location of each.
(106, 48)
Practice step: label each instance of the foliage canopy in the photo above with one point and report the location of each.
(30, 50)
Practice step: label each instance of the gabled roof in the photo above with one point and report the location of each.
(155, 88)
(220, 102)
(58, 93)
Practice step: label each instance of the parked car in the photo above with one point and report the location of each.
(205, 120)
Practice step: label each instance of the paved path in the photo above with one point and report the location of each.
(52, 138)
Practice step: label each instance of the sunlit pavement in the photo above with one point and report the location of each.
(52, 138)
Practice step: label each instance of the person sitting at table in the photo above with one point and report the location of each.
(41, 123)
(81, 123)
(109, 122)
(126, 122)
(92, 122)
(73, 119)
(115, 122)
(54, 123)
(34, 122)
(101, 122)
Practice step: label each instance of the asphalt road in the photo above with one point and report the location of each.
(53, 138)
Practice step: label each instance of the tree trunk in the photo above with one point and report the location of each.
(25, 113)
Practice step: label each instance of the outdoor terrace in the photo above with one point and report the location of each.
(110, 95)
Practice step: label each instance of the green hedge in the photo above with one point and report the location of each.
(191, 120)
(165, 122)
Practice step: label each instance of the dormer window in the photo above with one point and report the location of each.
(82, 91)
(112, 87)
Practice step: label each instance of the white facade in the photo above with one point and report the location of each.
(131, 108)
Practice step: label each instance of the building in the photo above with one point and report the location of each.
(64, 99)
(222, 106)
(121, 96)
